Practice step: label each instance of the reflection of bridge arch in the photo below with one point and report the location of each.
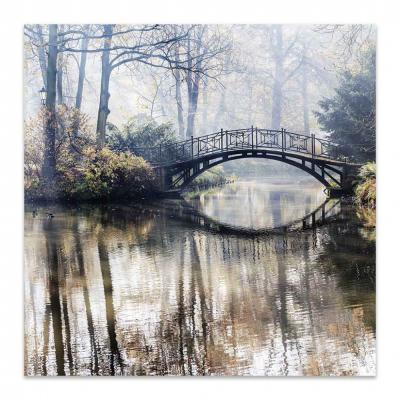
(323, 214)
(177, 164)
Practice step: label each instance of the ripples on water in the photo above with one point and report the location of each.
(150, 290)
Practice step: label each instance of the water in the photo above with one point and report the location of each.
(234, 281)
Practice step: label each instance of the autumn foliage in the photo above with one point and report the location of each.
(83, 173)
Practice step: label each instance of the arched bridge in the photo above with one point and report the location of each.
(177, 164)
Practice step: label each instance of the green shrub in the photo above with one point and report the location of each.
(97, 175)
(110, 175)
(139, 132)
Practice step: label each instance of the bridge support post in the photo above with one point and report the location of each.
(313, 152)
(164, 179)
(313, 145)
(347, 178)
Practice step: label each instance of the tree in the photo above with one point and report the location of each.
(202, 46)
(49, 161)
(60, 72)
(106, 69)
(349, 116)
(150, 45)
(286, 65)
(196, 61)
(82, 70)
(176, 72)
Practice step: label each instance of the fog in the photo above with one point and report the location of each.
(201, 78)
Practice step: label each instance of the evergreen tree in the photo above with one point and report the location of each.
(349, 116)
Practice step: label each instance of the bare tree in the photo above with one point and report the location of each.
(106, 69)
(178, 95)
(197, 59)
(42, 54)
(82, 70)
(350, 39)
(49, 163)
(285, 67)
(148, 44)
(203, 47)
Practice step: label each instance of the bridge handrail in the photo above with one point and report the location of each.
(218, 141)
(233, 131)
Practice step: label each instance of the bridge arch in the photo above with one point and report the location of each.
(180, 176)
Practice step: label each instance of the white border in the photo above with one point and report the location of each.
(15, 13)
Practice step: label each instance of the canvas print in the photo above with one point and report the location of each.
(199, 200)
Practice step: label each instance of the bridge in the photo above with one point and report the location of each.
(177, 164)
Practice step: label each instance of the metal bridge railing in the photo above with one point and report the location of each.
(249, 138)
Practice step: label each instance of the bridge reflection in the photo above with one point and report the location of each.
(325, 213)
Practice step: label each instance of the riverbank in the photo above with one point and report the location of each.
(107, 176)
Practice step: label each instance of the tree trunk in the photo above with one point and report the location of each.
(49, 162)
(42, 56)
(249, 111)
(179, 106)
(104, 89)
(81, 80)
(221, 110)
(193, 96)
(60, 99)
(304, 93)
(222, 101)
(205, 107)
(189, 82)
(278, 79)
(82, 72)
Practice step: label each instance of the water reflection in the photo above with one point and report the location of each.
(259, 204)
(136, 290)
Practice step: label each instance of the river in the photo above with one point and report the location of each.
(253, 278)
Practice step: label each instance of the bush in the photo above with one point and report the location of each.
(365, 190)
(97, 175)
(139, 132)
(110, 175)
(214, 176)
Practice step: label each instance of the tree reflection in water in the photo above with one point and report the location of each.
(131, 291)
